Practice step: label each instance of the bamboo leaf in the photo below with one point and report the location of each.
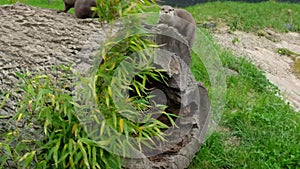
(85, 158)
(4, 100)
(94, 157)
(6, 148)
(27, 158)
(55, 153)
(121, 123)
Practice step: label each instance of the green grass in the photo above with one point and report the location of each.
(249, 16)
(257, 130)
(238, 15)
(52, 4)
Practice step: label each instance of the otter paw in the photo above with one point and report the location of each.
(162, 26)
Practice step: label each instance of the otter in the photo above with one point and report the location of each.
(68, 5)
(181, 20)
(82, 8)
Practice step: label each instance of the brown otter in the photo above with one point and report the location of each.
(82, 8)
(68, 5)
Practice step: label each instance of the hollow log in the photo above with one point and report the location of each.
(186, 98)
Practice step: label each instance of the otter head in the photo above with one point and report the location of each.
(166, 14)
(167, 10)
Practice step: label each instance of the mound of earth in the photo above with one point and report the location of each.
(35, 40)
(262, 51)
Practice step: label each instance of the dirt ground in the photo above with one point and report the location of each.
(262, 51)
(36, 40)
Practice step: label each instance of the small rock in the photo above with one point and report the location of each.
(209, 25)
(288, 26)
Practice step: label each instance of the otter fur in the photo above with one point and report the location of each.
(82, 8)
(179, 19)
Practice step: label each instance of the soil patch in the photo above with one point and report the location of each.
(262, 51)
(35, 40)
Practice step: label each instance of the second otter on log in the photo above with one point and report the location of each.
(179, 19)
(82, 7)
